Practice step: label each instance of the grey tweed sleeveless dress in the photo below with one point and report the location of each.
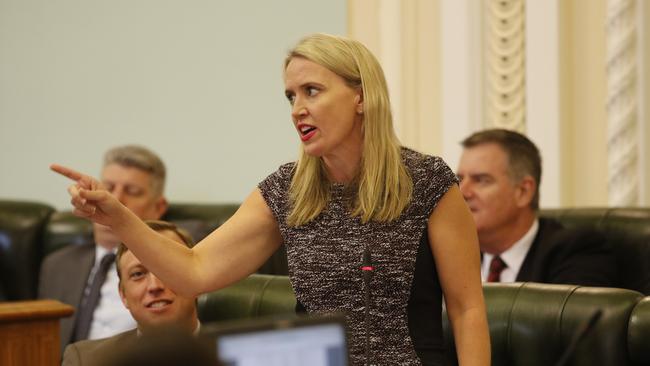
(325, 257)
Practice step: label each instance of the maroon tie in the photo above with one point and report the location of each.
(497, 265)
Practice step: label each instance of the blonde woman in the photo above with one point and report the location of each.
(354, 190)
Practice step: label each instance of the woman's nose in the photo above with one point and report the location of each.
(298, 109)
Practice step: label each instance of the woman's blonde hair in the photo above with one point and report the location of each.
(384, 185)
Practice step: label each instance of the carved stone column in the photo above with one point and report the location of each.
(505, 64)
(622, 130)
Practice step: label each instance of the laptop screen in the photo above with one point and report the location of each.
(314, 341)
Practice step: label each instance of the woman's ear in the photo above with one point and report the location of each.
(358, 99)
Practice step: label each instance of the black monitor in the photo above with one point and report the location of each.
(296, 341)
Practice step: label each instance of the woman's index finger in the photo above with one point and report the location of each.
(66, 172)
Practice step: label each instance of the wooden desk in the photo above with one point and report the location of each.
(29, 332)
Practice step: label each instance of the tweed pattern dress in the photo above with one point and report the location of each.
(325, 256)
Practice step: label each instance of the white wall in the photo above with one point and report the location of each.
(197, 81)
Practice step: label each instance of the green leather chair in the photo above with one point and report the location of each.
(63, 229)
(532, 324)
(638, 334)
(629, 219)
(626, 230)
(199, 220)
(21, 230)
(259, 295)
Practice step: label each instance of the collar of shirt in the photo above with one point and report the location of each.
(513, 257)
(195, 332)
(100, 252)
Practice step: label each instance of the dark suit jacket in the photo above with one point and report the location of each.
(63, 277)
(166, 347)
(569, 256)
(93, 352)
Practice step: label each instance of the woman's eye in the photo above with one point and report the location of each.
(136, 275)
(311, 91)
(291, 98)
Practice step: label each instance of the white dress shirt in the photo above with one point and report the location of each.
(513, 257)
(110, 316)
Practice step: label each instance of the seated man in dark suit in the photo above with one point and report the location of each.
(149, 301)
(500, 173)
(136, 176)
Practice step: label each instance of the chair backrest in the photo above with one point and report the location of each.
(532, 324)
(639, 333)
(628, 219)
(626, 230)
(21, 228)
(199, 220)
(256, 296)
(63, 229)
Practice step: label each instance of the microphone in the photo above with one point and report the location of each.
(582, 331)
(366, 269)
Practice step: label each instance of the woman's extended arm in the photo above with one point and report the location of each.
(234, 250)
(454, 243)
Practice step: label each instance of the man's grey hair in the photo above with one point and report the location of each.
(139, 157)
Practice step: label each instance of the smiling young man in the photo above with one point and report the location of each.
(152, 304)
(500, 173)
(136, 177)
